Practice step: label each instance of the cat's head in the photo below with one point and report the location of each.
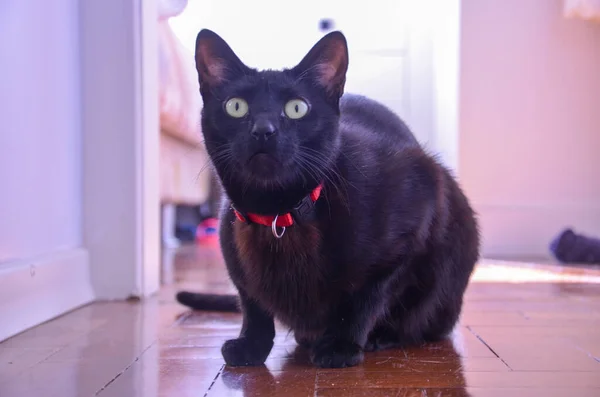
(271, 128)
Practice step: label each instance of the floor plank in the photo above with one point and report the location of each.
(516, 337)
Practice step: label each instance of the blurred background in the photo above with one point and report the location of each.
(103, 174)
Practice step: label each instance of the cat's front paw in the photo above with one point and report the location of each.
(336, 353)
(244, 352)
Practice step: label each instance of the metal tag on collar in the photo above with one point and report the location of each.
(274, 228)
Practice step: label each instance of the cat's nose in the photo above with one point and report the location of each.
(263, 128)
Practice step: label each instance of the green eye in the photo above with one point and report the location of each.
(296, 109)
(236, 107)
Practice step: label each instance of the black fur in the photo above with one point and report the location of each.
(389, 256)
(209, 302)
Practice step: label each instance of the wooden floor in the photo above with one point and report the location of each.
(523, 338)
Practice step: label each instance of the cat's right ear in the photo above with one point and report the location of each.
(216, 62)
(327, 63)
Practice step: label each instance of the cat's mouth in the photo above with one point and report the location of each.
(261, 156)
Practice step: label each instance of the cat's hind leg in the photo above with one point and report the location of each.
(383, 336)
(303, 341)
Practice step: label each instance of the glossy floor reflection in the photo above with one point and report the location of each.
(536, 337)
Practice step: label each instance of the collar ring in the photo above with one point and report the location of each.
(274, 228)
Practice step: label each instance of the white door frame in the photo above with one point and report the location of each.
(121, 210)
(433, 76)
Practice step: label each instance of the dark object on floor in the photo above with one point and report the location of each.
(576, 248)
(207, 232)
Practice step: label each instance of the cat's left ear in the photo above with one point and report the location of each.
(216, 62)
(327, 63)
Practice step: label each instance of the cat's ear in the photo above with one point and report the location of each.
(327, 63)
(216, 62)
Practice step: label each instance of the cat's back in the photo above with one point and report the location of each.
(373, 121)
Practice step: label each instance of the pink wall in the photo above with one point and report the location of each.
(529, 122)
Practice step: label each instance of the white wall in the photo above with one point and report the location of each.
(40, 164)
(44, 270)
(529, 122)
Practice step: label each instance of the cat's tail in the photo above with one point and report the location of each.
(209, 302)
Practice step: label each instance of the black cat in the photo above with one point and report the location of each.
(337, 223)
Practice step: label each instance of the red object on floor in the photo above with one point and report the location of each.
(207, 232)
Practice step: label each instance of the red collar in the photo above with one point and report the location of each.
(284, 220)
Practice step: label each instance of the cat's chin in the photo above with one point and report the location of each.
(263, 167)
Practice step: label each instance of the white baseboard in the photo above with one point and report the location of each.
(36, 290)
